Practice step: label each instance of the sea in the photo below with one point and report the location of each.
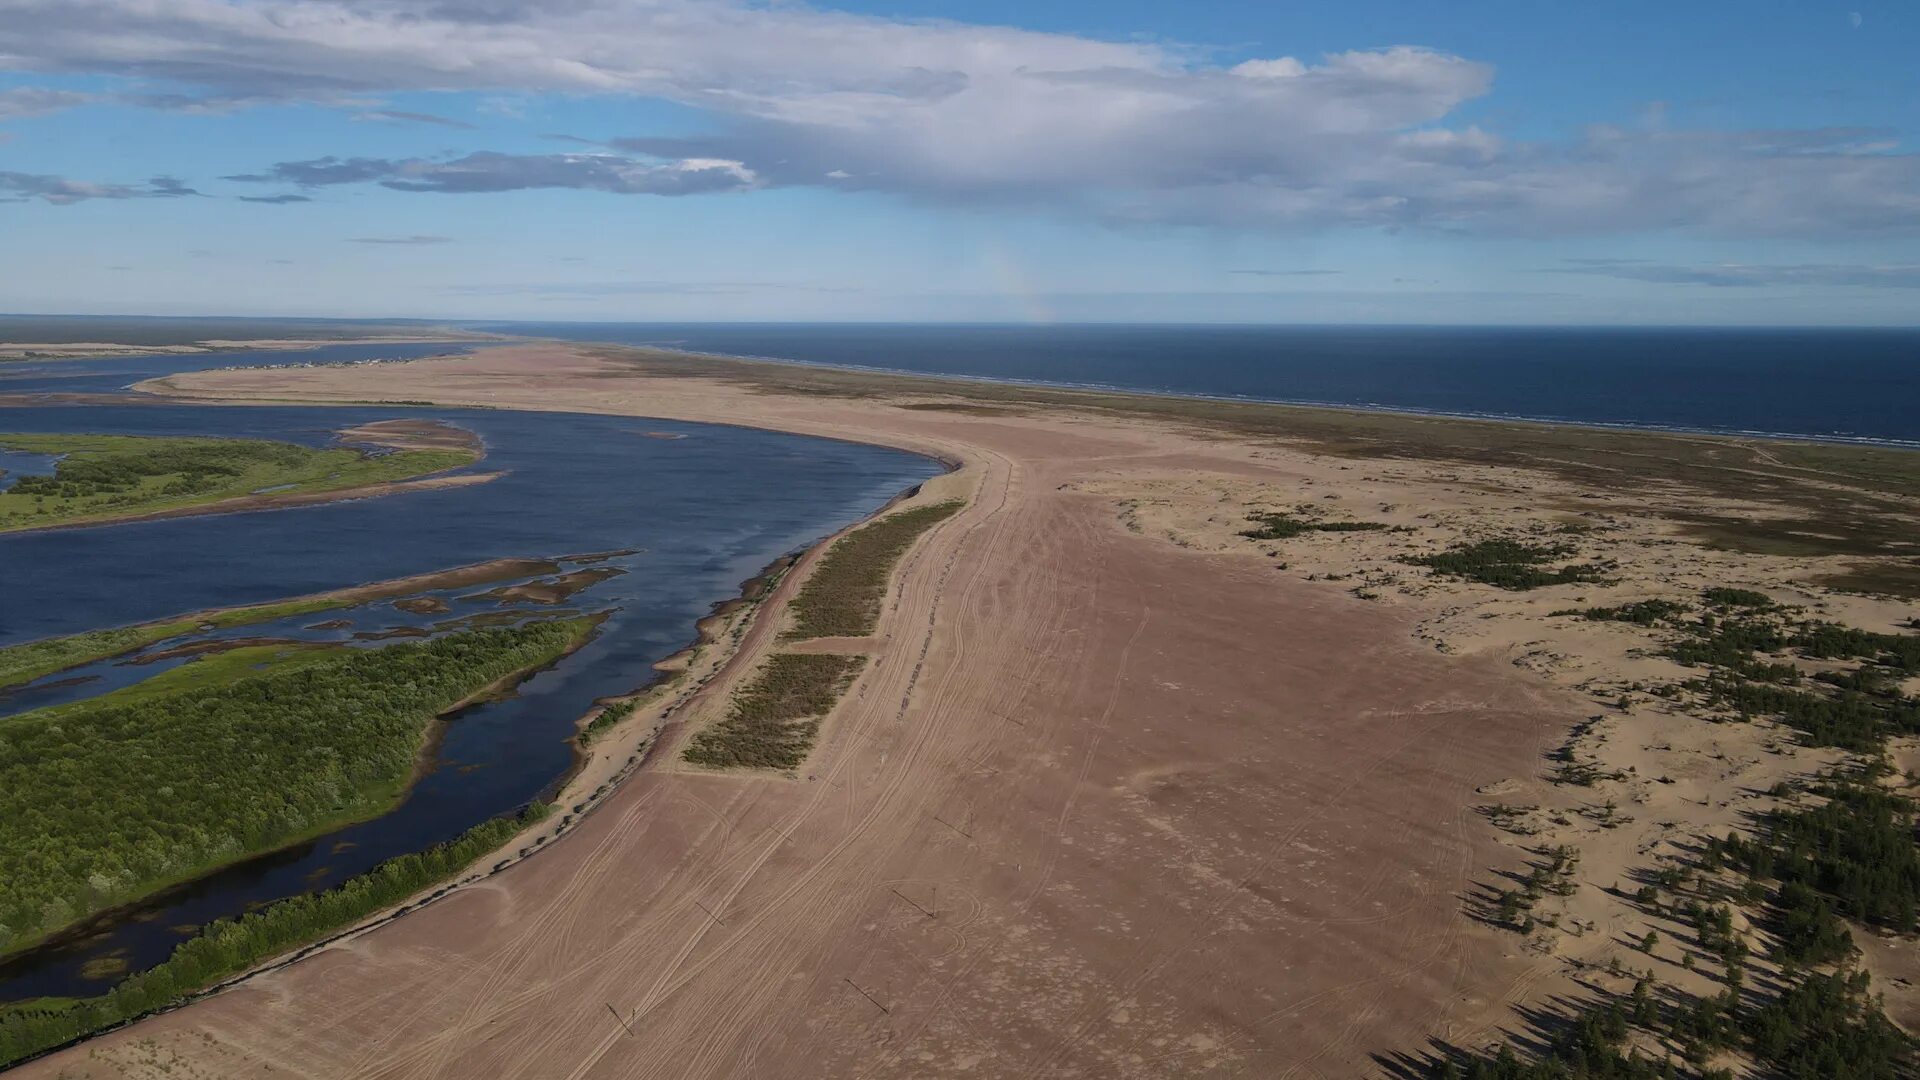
(1853, 385)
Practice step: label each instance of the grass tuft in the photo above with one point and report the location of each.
(775, 717)
(844, 594)
(1509, 564)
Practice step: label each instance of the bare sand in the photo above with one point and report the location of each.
(96, 350)
(1120, 793)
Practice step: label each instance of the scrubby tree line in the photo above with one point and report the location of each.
(107, 475)
(1509, 564)
(1856, 847)
(1742, 638)
(231, 946)
(193, 466)
(107, 800)
(1843, 850)
(1821, 1027)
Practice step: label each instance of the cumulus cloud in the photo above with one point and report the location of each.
(1126, 130)
(1746, 275)
(59, 190)
(492, 172)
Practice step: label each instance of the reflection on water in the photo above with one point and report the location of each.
(699, 514)
(15, 464)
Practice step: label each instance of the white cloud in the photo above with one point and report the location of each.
(33, 101)
(492, 172)
(1751, 275)
(62, 191)
(1286, 67)
(1125, 130)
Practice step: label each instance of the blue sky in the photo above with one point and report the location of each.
(1048, 161)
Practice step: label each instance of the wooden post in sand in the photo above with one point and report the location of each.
(869, 997)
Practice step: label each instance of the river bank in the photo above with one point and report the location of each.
(1114, 763)
(684, 519)
(107, 479)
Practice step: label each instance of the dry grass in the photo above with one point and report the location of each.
(843, 596)
(775, 717)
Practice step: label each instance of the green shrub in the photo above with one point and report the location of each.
(1508, 564)
(844, 594)
(772, 720)
(110, 799)
(231, 946)
(1740, 598)
(1272, 525)
(1642, 613)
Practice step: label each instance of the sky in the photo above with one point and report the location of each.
(1736, 162)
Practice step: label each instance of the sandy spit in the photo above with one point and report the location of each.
(1121, 792)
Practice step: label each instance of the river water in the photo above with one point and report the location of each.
(701, 507)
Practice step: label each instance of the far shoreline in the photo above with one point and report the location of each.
(1115, 389)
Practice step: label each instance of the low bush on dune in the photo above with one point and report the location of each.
(844, 594)
(1273, 525)
(773, 719)
(1509, 564)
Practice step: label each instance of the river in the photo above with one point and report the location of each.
(701, 507)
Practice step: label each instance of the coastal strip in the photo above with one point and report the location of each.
(1115, 762)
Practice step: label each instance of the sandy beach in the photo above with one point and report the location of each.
(94, 350)
(1121, 791)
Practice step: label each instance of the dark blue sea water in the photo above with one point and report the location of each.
(1818, 383)
(695, 509)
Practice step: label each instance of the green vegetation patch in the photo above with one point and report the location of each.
(1854, 709)
(20, 664)
(1849, 719)
(1856, 848)
(232, 946)
(1509, 564)
(1276, 525)
(843, 596)
(105, 477)
(1824, 1026)
(774, 718)
(607, 719)
(1640, 613)
(1737, 598)
(108, 800)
